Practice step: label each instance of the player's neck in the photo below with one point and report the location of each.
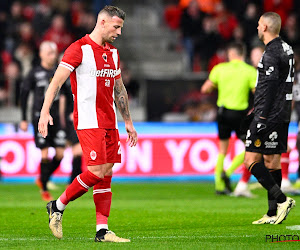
(236, 58)
(97, 39)
(269, 38)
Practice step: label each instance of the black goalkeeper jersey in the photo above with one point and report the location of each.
(67, 92)
(276, 65)
(38, 81)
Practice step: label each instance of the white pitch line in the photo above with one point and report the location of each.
(295, 227)
(41, 239)
(20, 239)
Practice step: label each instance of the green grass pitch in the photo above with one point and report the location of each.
(152, 215)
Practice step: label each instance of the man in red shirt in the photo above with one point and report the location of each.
(58, 33)
(94, 69)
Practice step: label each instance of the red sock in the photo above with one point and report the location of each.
(246, 175)
(79, 186)
(285, 161)
(102, 198)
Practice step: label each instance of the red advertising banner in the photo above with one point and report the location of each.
(155, 155)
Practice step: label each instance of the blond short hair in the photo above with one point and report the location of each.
(274, 22)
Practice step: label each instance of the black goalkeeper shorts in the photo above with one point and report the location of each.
(272, 140)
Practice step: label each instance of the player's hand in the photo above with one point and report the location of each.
(43, 123)
(23, 126)
(132, 134)
(261, 124)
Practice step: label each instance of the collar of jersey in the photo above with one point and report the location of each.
(105, 47)
(275, 39)
(236, 60)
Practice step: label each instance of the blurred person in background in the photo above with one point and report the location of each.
(66, 106)
(62, 7)
(220, 56)
(26, 51)
(237, 6)
(290, 31)
(172, 14)
(38, 80)
(242, 188)
(58, 33)
(26, 35)
(43, 17)
(85, 24)
(3, 90)
(14, 20)
(191, 29)
(209, 41)
(234, 80)
(226, 22)
(13, 82)
(238, 35)
(5, 60)
(249, 24)
(281, 7)
(26, 57)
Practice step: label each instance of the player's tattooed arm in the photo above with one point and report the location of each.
(56, 90)
(121, 99)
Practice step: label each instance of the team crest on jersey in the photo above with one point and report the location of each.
(104, 56)
(257, 143)
(93, 155)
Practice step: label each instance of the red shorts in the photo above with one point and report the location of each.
(100, 146)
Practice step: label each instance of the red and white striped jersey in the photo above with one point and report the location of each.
(94, 69)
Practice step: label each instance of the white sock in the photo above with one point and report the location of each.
(101, 226)
(285, 183)
(241, 186)
(60, 206)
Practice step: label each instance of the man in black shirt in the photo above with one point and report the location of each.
(267, 135)
(66, 105)
(38, 81)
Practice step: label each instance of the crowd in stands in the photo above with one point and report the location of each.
(25, 24)
(207, 26)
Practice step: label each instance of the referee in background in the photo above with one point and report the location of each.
(234, 81)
